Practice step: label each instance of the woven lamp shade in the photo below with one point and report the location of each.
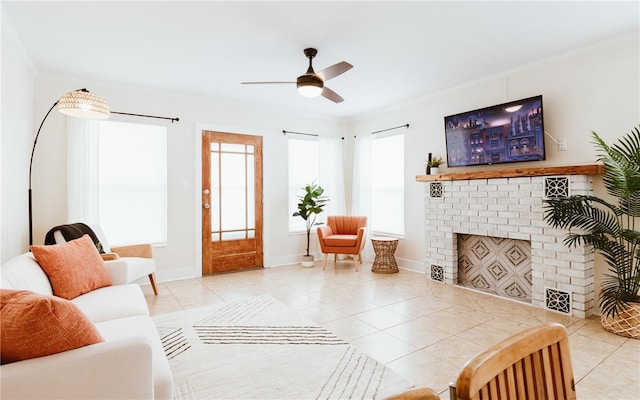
(83, 104)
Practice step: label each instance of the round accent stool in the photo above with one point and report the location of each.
(385, 262)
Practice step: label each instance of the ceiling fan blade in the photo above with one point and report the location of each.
(331, 95)
(264, 83)
(334, 70)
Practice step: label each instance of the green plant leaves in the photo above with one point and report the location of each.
(609, 228)
(310, 205)
(622, 170)
(312, 201)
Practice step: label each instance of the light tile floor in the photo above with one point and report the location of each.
(421, 329)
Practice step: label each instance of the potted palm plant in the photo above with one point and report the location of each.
(610, 227)
(309, 206)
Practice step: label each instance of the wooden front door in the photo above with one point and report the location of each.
(231, 202)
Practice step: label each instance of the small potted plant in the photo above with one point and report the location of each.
(434, 165)
(309, 206)
(610, 226)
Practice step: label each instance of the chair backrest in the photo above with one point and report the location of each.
(56, 233)
(346, 224)
(101, 237)
(533, 364)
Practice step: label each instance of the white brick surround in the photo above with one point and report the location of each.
(509, 208)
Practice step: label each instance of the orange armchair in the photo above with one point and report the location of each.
(343, 234)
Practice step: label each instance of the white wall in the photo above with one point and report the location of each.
(17, 134)
(593, 89)
(180, 257)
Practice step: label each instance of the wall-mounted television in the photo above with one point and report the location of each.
(504, 133)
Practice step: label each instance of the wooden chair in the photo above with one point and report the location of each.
(534, 364)
(343, 234)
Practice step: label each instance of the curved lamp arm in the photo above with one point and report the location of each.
(35, 141)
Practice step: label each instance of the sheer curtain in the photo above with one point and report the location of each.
(361, 188)
(82, 170)
(117, 178)
(304, 162)
(331, 174)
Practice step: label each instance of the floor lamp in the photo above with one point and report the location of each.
(78, 103)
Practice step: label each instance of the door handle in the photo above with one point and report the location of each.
(206, 205)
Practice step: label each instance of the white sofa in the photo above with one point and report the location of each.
(129, 364)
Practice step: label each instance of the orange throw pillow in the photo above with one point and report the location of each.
(34, 325)
(73, 268)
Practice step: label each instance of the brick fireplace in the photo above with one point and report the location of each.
(505, 208)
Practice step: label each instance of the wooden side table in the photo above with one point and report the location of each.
(385, 262)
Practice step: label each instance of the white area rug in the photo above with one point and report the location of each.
(258, 348)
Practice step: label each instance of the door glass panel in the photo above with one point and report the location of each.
(215, 146)
(215, 237)
(251, 212)
(233, 201)
(250, 149)
(251, 234)
(233, 148)
(234, 235)
(215, 192)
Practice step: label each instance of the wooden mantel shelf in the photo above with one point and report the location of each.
(591, 169)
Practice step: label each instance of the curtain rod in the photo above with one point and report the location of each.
(300, 133)
(147, 116)
(389, 129)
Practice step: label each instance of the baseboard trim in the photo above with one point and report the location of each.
(272, 262)
(411, 265)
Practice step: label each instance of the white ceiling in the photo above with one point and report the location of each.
(401, 51)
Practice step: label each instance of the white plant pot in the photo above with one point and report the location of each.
(435, 170)
(307, 261)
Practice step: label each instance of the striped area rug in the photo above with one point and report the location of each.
(258, 348)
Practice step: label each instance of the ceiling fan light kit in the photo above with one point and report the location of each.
(311, 84)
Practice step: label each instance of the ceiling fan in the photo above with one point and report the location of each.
(311, 84)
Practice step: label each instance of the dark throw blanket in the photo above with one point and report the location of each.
(71, 232)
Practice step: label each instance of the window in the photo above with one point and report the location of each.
(387, 173)
(303, 169)
(132, 182)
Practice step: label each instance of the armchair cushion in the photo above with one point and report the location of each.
(74, 267)
(34, 325)
(341, 240)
